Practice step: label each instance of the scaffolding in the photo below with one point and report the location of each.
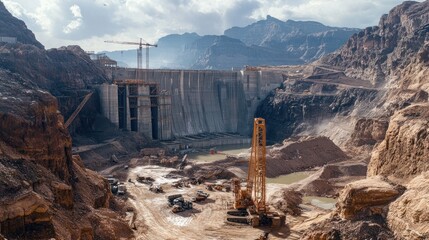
(142, 107)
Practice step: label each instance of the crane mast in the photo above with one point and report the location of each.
(139, 51)
(254, 195)
(250, 202)
(257, 170)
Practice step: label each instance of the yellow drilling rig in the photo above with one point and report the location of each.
(250, 201)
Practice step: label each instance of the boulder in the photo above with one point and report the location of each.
(366, 197)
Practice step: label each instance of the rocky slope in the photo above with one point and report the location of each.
(372, 92)
(13, 27)
(45, 192)
(404, 151)
(384, 54)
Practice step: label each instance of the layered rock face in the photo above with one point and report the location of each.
(392, 55)
(67, 73)
(369, 131)
(31, 125)
(381, 52)
(366, 197)
(290, 114)
(405, 149)
(45, 192)
(409, 215)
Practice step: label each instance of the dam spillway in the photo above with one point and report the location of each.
(165, 104)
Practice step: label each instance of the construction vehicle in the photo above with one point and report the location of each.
(156, 188)
(209, 187)
(263, 236)
(200, 196)
(122, 189)
(250, 201)
(171, 199)
(180, 205)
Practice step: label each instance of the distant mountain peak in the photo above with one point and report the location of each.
(271, 18)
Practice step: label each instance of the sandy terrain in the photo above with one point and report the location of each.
(154, 220)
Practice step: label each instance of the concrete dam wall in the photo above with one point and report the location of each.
(175, 103)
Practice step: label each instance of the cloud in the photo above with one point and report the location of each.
(89, 23)
(76, 22)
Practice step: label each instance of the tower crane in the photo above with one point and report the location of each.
(139, 50)
(250, 202)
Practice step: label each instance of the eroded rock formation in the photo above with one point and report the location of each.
(367, 197)
(405, 149)
(44, 191)
(408, 216)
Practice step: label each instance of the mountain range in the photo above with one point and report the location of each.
(265, 42)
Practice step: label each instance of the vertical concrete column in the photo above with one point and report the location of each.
(128, 123)
(165, 118)
(109, 102)
(143, 111)
(113, 104)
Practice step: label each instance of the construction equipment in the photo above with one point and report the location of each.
(156, 188)
(200, 196)
(181, 205)
(139, 51)
(122, 189)
(178, 203)
(171, 199)
(78, 109)
(250, 202)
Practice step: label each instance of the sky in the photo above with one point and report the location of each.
(89, 23)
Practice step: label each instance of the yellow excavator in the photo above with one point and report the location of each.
(250, 201)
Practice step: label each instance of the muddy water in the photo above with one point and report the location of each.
(205, 156)
(289, 178)
(321, 202)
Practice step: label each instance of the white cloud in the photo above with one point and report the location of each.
(89, 23)
(75, 23)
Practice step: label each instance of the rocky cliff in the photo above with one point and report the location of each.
(45, 192)
(15, 28)
(384, 53)
(394, 57)
(404, 150)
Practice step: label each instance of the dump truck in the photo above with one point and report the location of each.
(171, 199)
(180, 205)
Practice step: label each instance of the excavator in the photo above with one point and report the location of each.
(250, 205)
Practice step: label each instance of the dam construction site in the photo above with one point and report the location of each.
(276, 130)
